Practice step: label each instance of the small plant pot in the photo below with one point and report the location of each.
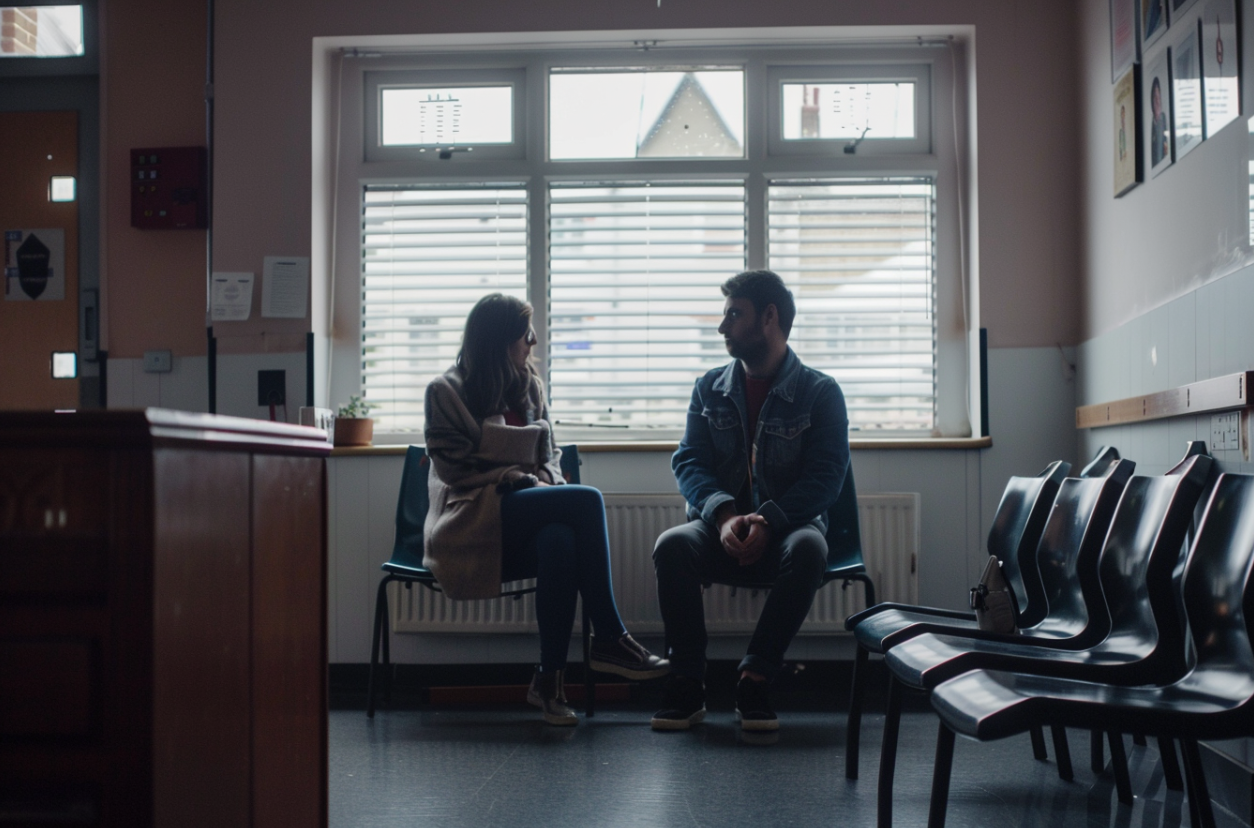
(353, 431)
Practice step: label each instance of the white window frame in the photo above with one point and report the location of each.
(354, 170)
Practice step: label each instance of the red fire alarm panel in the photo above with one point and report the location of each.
(168, 188)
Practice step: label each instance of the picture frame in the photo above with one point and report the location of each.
(1127, 132)
(1156, 113)
(1186, 88)
(1154, 21)
(1221, 76)
(1124, 42)
(1179, 7)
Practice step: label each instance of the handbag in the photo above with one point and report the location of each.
(994, 601)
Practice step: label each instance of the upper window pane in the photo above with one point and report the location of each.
(41, 31)
(848, 110)
(449, 115)
(641, 113)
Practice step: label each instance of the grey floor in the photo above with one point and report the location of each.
(502, 766)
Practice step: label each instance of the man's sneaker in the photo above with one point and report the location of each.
(628, 659)
(685, 705)
(548, 693)
(753, 710)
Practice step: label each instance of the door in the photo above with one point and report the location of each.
(37, 319)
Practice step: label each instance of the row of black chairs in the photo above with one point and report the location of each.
(1123, 637)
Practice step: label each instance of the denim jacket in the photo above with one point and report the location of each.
(801, 446)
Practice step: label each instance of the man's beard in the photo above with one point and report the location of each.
(748, 351)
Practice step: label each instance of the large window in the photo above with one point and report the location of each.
(617, 195)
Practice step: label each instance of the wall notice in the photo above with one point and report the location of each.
(285, 287)
(34, 265)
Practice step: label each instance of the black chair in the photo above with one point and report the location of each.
(1013, 538)
(1212, 700)
(1140, 578)
(405, 566)
(1070, 550)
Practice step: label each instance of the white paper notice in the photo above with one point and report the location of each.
(232, 297)
(285, 287)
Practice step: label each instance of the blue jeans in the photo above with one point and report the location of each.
(690, 556)
(557, 535)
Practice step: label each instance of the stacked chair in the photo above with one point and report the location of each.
(1016, 530)
(1135, 636)
(1212, 699)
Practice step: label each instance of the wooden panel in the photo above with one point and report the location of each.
(48, 687)
(53, 521)
(1217, 394)
(289, 642)
(34, 146)
(201, 639)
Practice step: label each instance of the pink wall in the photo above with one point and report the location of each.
(1028, 140)
(152, 90)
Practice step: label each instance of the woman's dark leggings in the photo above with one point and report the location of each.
(557, 535)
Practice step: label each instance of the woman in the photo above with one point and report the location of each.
(500, 510)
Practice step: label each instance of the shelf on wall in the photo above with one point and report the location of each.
(1218, 394)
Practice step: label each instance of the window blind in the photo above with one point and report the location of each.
(859, 255)
(635, 269)
(428, 254)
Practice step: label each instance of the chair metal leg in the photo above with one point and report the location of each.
(1171, 767)
(388, 672)
(1119, 759)
(888, 755)
(853, 729)
(940, 777)
(1198, 793)
(589, 688)
(1038, 743)
(1097, 752)
(1138, 739)
(1062, 752)
(380, 612)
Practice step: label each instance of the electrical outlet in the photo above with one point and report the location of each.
(1225, 434)
(158, 362)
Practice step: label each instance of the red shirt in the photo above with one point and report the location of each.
(755, 395)
(513, 418)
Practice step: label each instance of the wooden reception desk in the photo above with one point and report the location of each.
(162, 620)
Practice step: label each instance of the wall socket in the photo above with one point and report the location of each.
(1225, 431)
(158, 362)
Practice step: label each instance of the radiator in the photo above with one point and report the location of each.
(890, 546)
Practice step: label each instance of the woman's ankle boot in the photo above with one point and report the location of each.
(548, 693)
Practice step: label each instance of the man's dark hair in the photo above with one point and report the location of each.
(762, 288)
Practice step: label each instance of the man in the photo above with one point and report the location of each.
(764, 456)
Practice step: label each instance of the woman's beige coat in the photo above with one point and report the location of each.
(469, 458)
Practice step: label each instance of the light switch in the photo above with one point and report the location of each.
(158, 362)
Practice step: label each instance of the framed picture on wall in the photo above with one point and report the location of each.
(1186, 88)
(1127, 133)
(1156, 109)
(1153, 21)
(1124, 49)
(1179, 7)
(1221, 92)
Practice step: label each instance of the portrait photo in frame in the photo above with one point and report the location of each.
(1186, 87)
(1156, 113)
(1221, 86)
(1179, 7)
(1127, 134)
(1153, 21)
(1124, 43)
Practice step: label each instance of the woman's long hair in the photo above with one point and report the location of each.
(492, 382)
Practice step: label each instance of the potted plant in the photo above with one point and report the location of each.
(352, 426)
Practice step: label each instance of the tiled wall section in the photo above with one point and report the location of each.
(1032, 399)
(1203, 334)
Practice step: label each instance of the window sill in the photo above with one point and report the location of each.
(856, 444)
